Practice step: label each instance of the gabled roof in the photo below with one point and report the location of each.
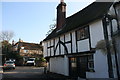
(30, 46)
(94, 11)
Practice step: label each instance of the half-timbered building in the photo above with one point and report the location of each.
(81, 45)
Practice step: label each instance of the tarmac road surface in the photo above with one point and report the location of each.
(25, 73)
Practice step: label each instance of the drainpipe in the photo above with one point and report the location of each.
(109, 59)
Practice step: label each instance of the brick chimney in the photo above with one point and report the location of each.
(61, 14)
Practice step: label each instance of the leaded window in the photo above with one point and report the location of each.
(82, 33)
(90, 62)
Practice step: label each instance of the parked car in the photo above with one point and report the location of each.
(12, 59)
(9, 65)
(31, 62)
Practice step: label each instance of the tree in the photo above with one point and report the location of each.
(52, 27)
(6, 49)
(6, 35)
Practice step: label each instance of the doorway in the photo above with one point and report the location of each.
(78, 66)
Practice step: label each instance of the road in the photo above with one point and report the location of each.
(25, 73)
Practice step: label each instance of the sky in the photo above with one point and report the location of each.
(30, 20)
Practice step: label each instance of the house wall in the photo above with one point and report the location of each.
(73, 42)
(83, 45)
(44, 49)
(100, 59)
(118, 50)
(56, 47)
(69, 40)
(100, 66)
(62, 47)
(96, 32)
(114, 25)
(59, 65)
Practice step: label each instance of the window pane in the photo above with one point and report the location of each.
(90, 62)
(82, 33)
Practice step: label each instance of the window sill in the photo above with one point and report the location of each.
(91, 70)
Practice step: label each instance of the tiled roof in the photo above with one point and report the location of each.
(30, 46)
(94, 11)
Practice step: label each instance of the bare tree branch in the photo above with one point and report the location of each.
(6, 35)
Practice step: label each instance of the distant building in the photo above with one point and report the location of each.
(82, 45)
(26, 49)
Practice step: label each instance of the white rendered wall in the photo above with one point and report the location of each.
(48, 50)
(118, 50)
(73, 42)
(44, 44)
(57, 49)
(59, 65)
(83, 45)
(52, 51)
(66, 66)
(62, 47)
(96, 32)
(114, 25)
(100, 66)
(68, 47)
(52, 48)
(67, 37)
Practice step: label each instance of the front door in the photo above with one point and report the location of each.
(82, 66)
(78, 66)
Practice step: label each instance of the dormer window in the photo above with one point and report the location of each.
(82, 33)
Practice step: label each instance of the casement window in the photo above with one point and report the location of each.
(90, 63)
(25, 51)
(82, 33)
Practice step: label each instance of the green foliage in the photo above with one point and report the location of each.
(7, 51)
(43, 59)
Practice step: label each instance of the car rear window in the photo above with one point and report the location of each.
(10, 62)
(30, 59)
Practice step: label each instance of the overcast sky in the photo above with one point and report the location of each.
(30, 20)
